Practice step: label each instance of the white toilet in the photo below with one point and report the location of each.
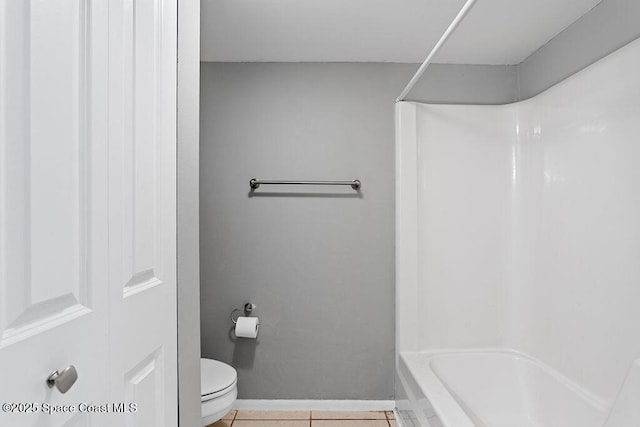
(218, 390)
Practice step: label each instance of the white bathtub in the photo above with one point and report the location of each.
(517, 226)
(494, 388)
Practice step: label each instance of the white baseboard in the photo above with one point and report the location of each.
(314, 405)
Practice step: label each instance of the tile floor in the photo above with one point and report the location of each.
(306, 419)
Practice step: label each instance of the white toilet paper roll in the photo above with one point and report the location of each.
(247, 327)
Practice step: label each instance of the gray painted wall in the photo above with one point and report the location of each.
(188, 211)
(607, 27)
(319, 263)
(456, 84)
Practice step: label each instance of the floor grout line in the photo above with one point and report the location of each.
(330, 421)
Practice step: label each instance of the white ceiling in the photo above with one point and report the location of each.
(494, 32)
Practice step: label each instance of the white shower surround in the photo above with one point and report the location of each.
(518, 227)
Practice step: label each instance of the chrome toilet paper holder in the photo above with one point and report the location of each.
(247, 309)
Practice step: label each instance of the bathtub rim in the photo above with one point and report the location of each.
(446, 406)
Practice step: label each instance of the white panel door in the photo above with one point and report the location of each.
(142, 202)
(53, 206)
(87, 209)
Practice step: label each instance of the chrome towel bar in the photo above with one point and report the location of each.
(256, 183)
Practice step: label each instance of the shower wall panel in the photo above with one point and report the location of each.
(526, 225)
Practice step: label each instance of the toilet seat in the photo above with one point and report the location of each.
(218, 378)
(219, 390)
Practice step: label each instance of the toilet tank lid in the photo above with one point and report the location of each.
(216, 376)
